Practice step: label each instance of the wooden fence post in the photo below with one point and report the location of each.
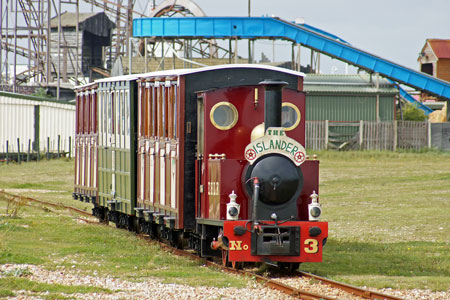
(48, 148)
(38, 153)
(59, 141)
(395, 135)
(429, 132)
(28, 152)
(361, 133)
(7, 152)
(19, 158)
(70, 146)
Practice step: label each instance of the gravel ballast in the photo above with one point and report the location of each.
(153, 288)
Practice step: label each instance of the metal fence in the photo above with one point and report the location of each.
(365, 135)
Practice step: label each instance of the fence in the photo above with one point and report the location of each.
(367, 135)
(25, 150)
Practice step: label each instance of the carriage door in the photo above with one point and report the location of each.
(111, 142)
(199, 166)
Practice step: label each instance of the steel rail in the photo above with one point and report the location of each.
(297, 293)
(349, 288)
(56, 205)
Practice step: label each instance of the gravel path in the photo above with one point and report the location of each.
(149, 289)
(154, 289)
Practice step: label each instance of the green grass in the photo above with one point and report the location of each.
(388, 215)
(59, 241)
(24, 284)
(50, 180)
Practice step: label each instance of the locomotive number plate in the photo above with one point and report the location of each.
(312, 246)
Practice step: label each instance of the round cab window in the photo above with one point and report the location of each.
(224, 115)
(290, 116)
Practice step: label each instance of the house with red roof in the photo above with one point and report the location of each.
(434, 58)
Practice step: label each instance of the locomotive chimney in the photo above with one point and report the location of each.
(272, 103)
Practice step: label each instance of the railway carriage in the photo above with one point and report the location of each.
(117, 151)
(86, 139)
(211, 158)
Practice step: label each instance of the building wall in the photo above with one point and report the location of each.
(70, 37)
(443, 69)
(19, 116)
(349, 108)
(440, 136)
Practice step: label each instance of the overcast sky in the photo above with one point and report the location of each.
(393, 29)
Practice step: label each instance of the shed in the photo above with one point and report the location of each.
(434, 58)
(349, 98)
(38, 123)
(345, 100)
(94, 33)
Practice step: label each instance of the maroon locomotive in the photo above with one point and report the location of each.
(210, 158)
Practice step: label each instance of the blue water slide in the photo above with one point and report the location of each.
(403, 94)
(267, 27)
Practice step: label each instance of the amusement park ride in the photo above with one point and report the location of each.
(162, 38)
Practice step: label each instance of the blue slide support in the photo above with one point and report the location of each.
(265, 27)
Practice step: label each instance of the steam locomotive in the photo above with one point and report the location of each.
(210, 158)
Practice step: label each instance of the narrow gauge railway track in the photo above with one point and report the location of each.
(348, 288)
(287, 289)
(25, 200)
(271, 283)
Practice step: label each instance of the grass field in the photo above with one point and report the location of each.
(388, 216)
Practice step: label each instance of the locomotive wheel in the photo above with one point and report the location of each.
(225, 261)
(293, 267)
(237, 265)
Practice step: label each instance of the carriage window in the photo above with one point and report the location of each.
(159, 111)
(127, 103)
(290, 116)
(122, 119)
(164, 111)
(110, 113)
(79, 112)
(224, 115)
(95, 116)
(175, 112)
(127, 119)
(85, 113)
(170, 112)
(141, 92)
(100, 118)
(123, 111)
(153, 108)
(149, 97)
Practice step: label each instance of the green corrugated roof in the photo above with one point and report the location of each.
(347, 84)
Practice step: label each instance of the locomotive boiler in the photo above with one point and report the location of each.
(210, 158)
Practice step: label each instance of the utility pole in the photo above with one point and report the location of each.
(250, 58)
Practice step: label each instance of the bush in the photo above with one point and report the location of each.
(41, 93)
(411, 113)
